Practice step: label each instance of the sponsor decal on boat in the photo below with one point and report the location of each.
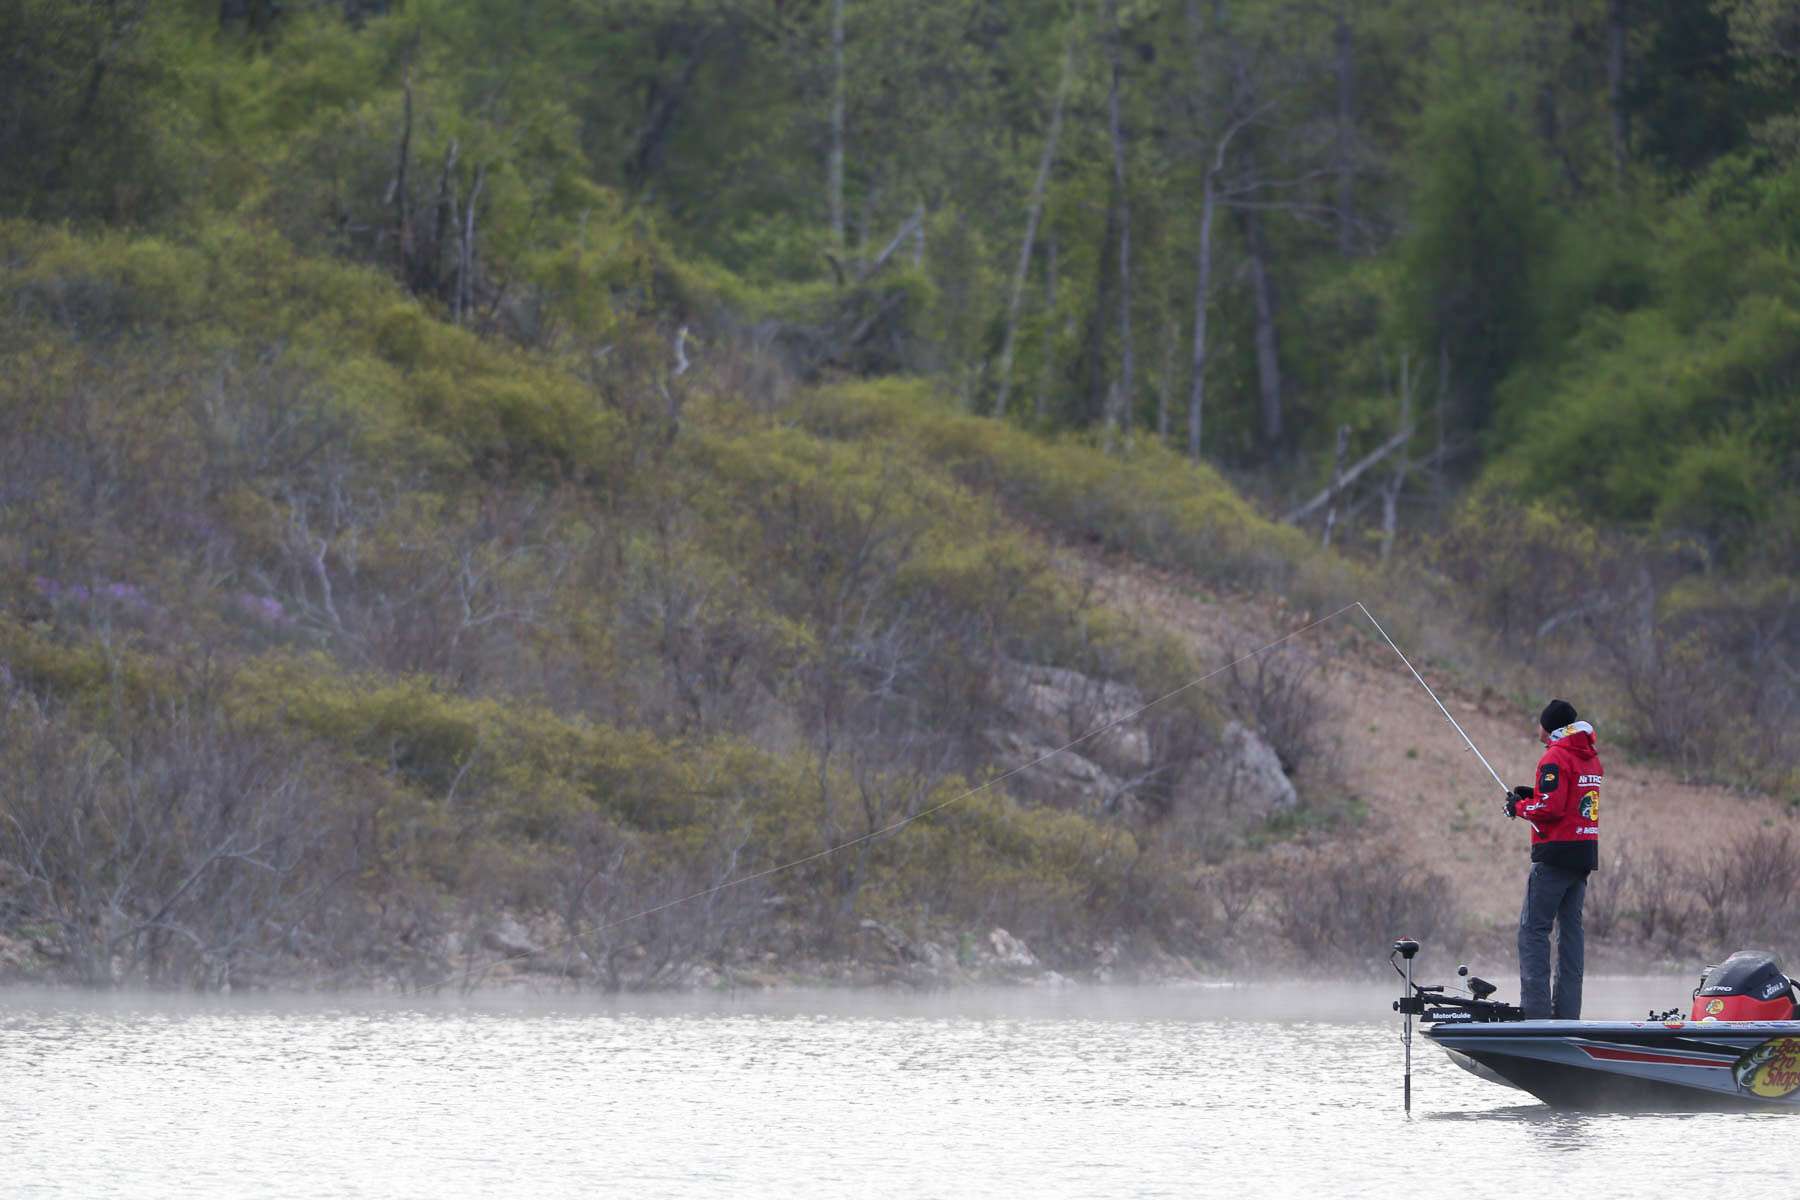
(1772, 1069)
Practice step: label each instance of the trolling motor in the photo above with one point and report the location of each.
(1431, 1002)
(1406, 948)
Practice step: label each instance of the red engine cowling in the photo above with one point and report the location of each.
(1748, 986)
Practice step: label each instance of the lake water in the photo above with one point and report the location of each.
(1080, 1093)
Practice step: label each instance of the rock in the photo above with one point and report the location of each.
(701, 977)
(1009, 950)
(940, 960)
(510, 938)
(897, 945)
(1250, 775)
(1066, 704)
(1067, 779)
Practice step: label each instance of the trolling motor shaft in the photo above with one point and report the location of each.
(1406, 948)
(1431, 1004)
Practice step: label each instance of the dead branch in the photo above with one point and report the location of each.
(1349, 477)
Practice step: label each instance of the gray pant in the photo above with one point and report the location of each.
(1553, 896)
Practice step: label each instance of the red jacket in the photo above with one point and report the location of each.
(1564, 810)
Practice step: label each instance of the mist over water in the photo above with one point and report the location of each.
(1076, 1092)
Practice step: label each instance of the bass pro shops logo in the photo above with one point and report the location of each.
(1771, 1070)
(1590, 805)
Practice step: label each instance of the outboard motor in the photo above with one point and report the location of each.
(1748, 986)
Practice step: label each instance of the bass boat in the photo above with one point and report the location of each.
(1738, 1046)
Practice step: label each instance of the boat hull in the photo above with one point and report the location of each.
(1613, 1066)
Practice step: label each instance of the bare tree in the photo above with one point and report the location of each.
(181, 851)
(1343, 42)
(834, 170)
(1615, 86)
(1122, 394)
(1337, 484)
(1212, 190)
(1390, 492)
(1034, 213)
(1249, 192)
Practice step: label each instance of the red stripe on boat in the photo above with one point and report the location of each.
(1614, 1054)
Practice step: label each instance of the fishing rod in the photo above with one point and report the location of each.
(1406, 948)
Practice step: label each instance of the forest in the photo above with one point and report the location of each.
(476, 476)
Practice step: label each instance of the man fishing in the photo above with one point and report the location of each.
(1563, 810)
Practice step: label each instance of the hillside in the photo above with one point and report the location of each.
(476, 479)
(1671, 847)
(338, 640)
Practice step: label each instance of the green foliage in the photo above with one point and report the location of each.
(1763, 48)
(1694, 100)
(88, 131)
(1679, 413)
(393, 372)
(1145, 500)
(1482, 234)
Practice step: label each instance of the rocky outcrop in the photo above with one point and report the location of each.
(1046, 708)
(1066, 779)
(1009, 951)
(1250, 778)
(507, 936)
(1236, 787)
(1065, 704)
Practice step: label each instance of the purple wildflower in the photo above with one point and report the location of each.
(264, 608)
(128, 594)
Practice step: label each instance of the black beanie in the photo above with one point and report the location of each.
(1556, 714)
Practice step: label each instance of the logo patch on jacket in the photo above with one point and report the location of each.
(1548, 778)
(1590, 805)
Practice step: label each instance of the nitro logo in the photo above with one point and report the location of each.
(1771, 1070)
(1591, 780)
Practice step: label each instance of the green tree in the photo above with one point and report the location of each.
(80, 134)
(1482, 232)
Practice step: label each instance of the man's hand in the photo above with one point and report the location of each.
(1522, 792)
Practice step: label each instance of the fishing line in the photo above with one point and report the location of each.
(753, 876)
(922, 814)
(1432, 694)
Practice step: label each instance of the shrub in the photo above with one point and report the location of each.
(1344, 908)
(170, 849)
